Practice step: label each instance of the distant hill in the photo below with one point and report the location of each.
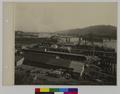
(98, 31)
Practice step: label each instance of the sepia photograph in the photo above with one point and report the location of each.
(65, 43)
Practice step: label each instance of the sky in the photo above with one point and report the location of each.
(51, 17)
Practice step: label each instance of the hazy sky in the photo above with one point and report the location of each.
(40, 17)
